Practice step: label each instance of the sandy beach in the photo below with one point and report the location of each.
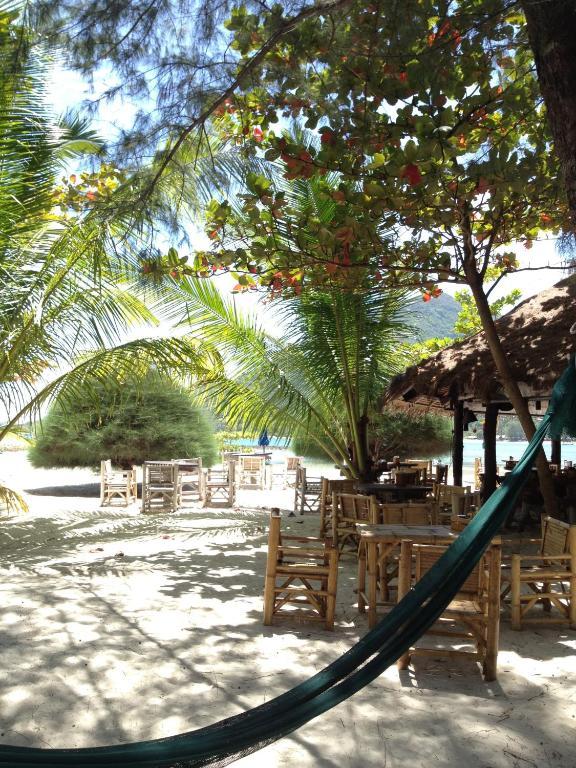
(118, 627)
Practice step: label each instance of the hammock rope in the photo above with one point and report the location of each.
(227, 740)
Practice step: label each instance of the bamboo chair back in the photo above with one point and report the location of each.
(290, 469)
(327, 488)
(472, 618)
(555, 537)
(301, 577)
(252, 472)
(441, 474)
(348, 509)
(405, 476)
(422, 469)
(306, 492)
(190, 479)
(219, 486)
(405, 514)
(117, 485)
(160, 486)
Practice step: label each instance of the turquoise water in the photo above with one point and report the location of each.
(472, 449)
(506, 448)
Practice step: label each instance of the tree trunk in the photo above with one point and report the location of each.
(510, 384)
(490, 465)
(458, 442)
(552, 34)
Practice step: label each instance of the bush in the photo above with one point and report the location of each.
(152, 419)
(411, 434)
(304, 446)
(395, 432)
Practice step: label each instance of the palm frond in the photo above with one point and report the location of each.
(11, 502)
(184, 358)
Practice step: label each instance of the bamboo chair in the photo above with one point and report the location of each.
(472, 618)
(117, 485)
(464, 507)
(441, 474)
(477, 473)
(348, 509)
(190, 479)
(399, 514)
(550, 578)
(160, 486)
(405, 476)
(443, 495)
(306, 492)
(301, 577)
(422, 469)
(219, 486)
(290, 470)
(251, 472)
(327, 488)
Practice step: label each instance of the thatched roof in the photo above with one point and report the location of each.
(538, 342)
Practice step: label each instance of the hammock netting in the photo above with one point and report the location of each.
(228, 740)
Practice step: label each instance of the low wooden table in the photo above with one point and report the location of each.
(376, 544)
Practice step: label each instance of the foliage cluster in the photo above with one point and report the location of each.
(151, 419)
(409, 434)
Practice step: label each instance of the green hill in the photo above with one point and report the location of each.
(435, 318)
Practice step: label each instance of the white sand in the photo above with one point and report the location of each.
(118, 627)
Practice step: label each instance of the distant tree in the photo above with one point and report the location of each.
(510, 428)
(411, 435)
(468, 320)
(152, 419)
(408, 434)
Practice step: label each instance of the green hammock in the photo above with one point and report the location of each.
(227, 740)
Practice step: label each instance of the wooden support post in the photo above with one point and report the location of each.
(270, 580)
(490, 422)
(458, 442)
(556, 453)
(404, 579)
(493, 610)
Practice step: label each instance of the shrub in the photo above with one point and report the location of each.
(411, 434)
(153, 419)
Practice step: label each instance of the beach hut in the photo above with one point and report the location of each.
(538, 337)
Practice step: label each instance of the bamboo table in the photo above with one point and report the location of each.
(376, 544)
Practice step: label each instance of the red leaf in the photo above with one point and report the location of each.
(411, 172)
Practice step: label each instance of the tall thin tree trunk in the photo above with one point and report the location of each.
(509, 382)
(552, 33)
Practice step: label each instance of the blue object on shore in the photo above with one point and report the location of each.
(264, 440)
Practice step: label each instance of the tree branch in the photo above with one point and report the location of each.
(251, 64)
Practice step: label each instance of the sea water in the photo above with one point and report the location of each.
(473, 448)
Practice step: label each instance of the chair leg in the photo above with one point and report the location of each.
(361, 578)
(271, 560)
(404, 579)
(331, 589)
(516, 617)
(493, 616)
(572, 602)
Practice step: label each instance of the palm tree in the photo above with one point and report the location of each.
(68, 299)
(319, 379)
